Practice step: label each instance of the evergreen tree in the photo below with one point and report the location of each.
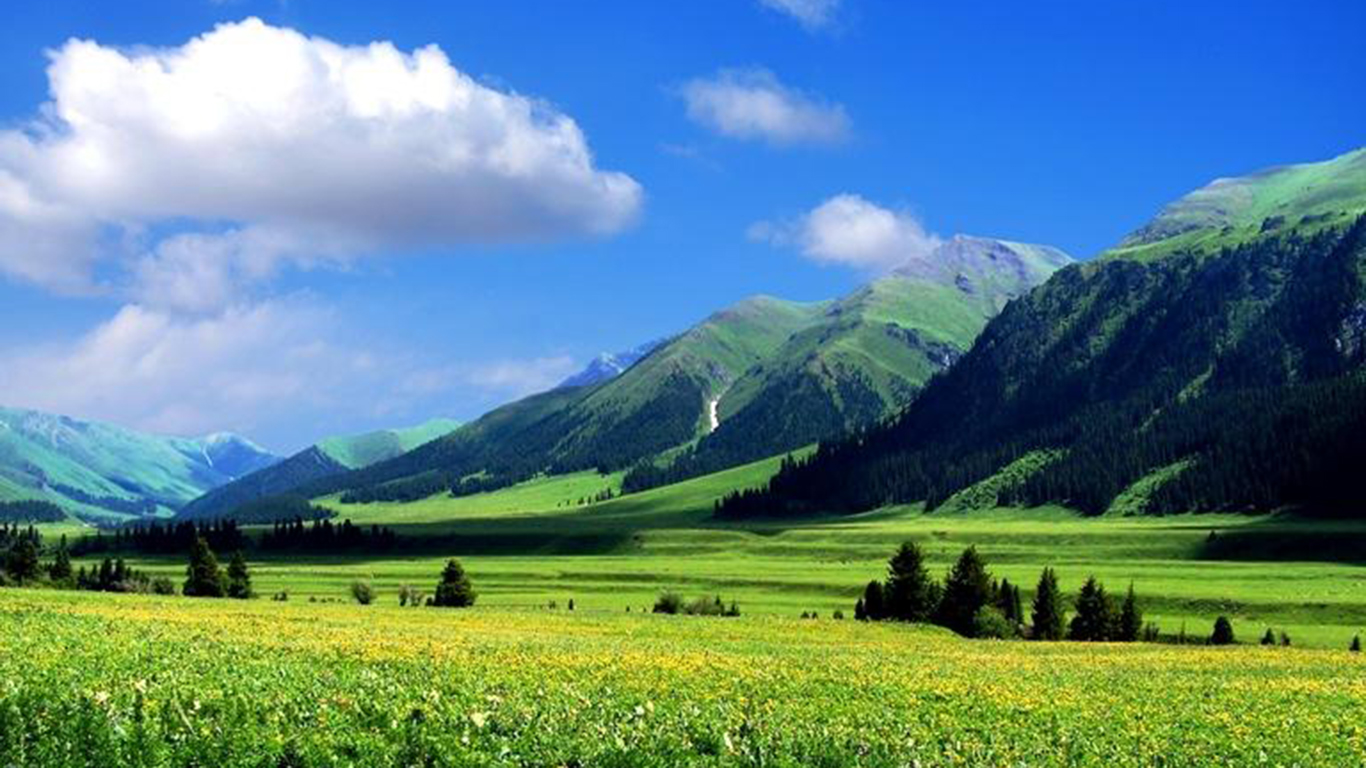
(909, 592)
(874, 601)
(1269, 638)
(60, 570)
(859, 613)
(966, 590)
(1047, 616)
(454, 589)
(22, 561)
(1095, 620)
(1223, 632)
(239, 578)
(1285, 639)
(1356, 644)
(203, 577)
(1130, 618)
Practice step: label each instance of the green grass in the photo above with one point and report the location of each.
(523, 551)
(113, 680)
(357, 451)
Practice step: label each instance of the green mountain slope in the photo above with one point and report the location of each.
(104, 472)
(867, 357)
(327, 458)
(659, 403)
(1227, 376)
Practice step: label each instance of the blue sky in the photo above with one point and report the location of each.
(1064, 123)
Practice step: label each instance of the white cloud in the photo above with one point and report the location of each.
(812, 14)
(848, 229)
(753, 104)
(260, 129)
(275, 370)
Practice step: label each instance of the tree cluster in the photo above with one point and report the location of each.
(30, 511)
(973, 604)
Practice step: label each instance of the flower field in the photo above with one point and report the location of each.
(101, 680)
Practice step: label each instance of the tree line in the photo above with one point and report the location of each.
(320, 536)
(973, 604)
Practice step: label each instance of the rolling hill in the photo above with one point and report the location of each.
(326, 458)
(1211, 362)
(102, 472)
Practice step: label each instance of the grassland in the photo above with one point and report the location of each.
(525, 548)
(99, 680)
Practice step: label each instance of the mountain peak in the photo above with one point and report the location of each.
(609, 365)
(985, 264)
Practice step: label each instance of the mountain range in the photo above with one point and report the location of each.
(762, 376)
(103, 472)
(1213, 361)
(326, 458)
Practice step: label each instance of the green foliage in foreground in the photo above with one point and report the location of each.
(137, 681)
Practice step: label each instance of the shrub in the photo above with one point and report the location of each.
(1223, 632)
(705, 606)
(362, 592)
(668, 603)
(163, 586)
(838, 615)
(1285, 639)
(990, 623)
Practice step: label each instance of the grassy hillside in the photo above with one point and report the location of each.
(659, 403)
(104, 472)
(866, 358)
(1233, 210)
(358, 451)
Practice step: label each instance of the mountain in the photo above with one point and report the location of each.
(761, 376)
(866, 357)
(326, 458)
(103, 472)
(659, 403)
(1215, 360)
(608, 365)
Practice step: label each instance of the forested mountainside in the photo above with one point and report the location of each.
(1195, 371)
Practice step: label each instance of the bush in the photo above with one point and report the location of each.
(362, 592)
(1223, 632)
(409, 596)
(163, 586)
(668, 603)
(705, 606)
(989, 623)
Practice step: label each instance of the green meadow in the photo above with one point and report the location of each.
(534, 544)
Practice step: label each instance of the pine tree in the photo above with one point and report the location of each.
(203, 577)
(909, 591)
(239, 578)
(60, 570)
(1269, 638)
(1047, 616)
(966, 590)
(1356, 644)
(454, 589)
(21, 564)
(1095, 620)
(1005, 601)
(874, 606)
(1130, 618)
(859, 613)
(1223, 632)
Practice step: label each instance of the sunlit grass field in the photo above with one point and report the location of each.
(97, 680)
(528, 546)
